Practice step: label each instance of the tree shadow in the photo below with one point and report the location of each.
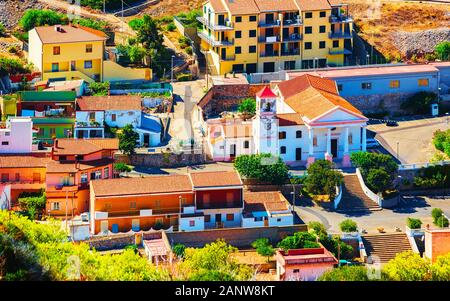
(410, 204)
(150, 170)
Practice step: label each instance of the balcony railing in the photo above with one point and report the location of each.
(216, 27)
(92, 124)
(213, 42)
(228, 58)
(274, 23)
(333, 51)
(340, 35)
(340, 19)
(272, 39)
(292, 22)
(290, 52)
(295, 37)
(269, 54)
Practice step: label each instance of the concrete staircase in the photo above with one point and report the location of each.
(354, 198)
(386, 246)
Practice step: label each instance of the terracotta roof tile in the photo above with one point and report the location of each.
(71, 167)
(23, 161)
(147, 185)
(276, 5)
(266, 92)
(217, 6)
(67, 146)
(110, 103)
(241, 7)
(215, 179)
(70, 34)
(271, 201)
(296, 85)
(307, 5)
(289, 119)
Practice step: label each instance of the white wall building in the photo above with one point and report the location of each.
(300, 120)
(5, 197)
(17, 136)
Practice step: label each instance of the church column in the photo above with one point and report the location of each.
(346, 159)
(311, 147)
(364, 139)
(328, 155)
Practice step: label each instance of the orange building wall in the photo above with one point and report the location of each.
(145, 223)
(437, 242)
(80, 202)
(26, 183)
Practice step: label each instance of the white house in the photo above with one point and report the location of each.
(94, 112)
(5, 197)
(16, 136)
(300, 120)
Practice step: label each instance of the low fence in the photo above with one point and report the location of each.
(421, 165)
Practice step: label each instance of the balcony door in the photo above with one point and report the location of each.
(223, 53)
(221, 20)
(269, 19)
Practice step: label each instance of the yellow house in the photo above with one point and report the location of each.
(271, 35)
(68, 52)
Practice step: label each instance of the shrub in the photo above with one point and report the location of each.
(317, 227)
(348, 225)
(40, 17)
(189, 50)
(32, 203)
(322, 179)
(122, 167)
(407, 266)
(171, 27)
(443, 50)
(248, 106)
(378, 180)
(12, 66)
(262, 167)
(99, 89)
(97, 25)
(436, 213)
(178, 250)
(299, 240)
(438, 218)
(419, 103)
(441, 140)
(442, 222)
(184, 42)
(2, 30)
(346, 273)
(263, 247)
(127, 140)
(413, 223)
(433, 177)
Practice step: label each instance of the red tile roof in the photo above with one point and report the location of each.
(23, 161)
(69, 34)
(72, 167)
(215, 179)
(110, 103)
(289, 119)
(271, 201)
(67, 146)
(308, 5)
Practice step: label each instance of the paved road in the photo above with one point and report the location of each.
(416, 207)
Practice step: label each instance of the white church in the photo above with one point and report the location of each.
(300, 120)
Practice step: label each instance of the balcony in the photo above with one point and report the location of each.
(333, 51)
(341, 19)
(216, 27)
(295, 37)
(292, 22)
(290, 52)
(269, 54)
(340, 35)
(228, 58)
(91, 124)
(270, 23)
(272, 39)
(213, 42)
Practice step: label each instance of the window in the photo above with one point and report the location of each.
(91, 116)
(308, 29)
(87, 64)
(89, 48)
(7, 133)
(5, 142)
(192, 223)
(323, 14)
(252, 18)
(252, 33)
(132, 205)
(322, 44)
(17, 179)
(55, 206)
(113, 117)
(423, 82)
(340, 87)
(298, 134)
(106, 173)
(62, 158)
(246, 144)
(315, 141)
(308, 45)
(278, 220)
(207, 218)
(238, 19)
(366, 86)
(282, 135)
(5, 177)
(308, 15)
(230, 217)
(252, 49)
(238, 50)
(322, 28)
(238, 34)
(296, 270)
(350, 139)
(55, 67)
(84, 177)
(289, 65)
(394, 84)
(98, 174)
(56, 50)
(52, 132)
(335, 43)
(283, 150)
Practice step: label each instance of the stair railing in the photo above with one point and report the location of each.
(369, 193)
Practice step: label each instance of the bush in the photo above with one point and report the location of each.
(438, 217)
(442, 222)
(317, 227)
(263, 247)
(436, 213)
(184, 42)
(2, 30)
(419, 103)
(441, 140)
(348, 225)
(41, 17)
(322, 179)
(171, 27)
(262, 167)
(97, 25)
(189, 50)
(32, 203)
(127, 140)
(378, 180)
(122, 167)
(178, 250)
(248, 106)
(299, 240)
(413, 223)
(443, 50)
(99, 89)
(345, 273)
(183, 77)
(433, 177)
(10, 66)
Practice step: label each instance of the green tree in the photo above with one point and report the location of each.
(178, 250)
(213, 262)
(443, 50)
(136, 54)
(94, 24)
(122, 167)
(262, 167)
(32, 203)
(299, 240)
(438, 218)
(322, 179)
(128, 140)
(248, 106)
(419, 103)
(413, 223)
(345, 273)
(2, 30)
(378, 180)
(407, 266)
(99, 89)
(263, 247)
(440, 269)
(41, 17)
(317, 227)
(348, 225)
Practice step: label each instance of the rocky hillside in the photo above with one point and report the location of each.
(12, 10)
(420, 42)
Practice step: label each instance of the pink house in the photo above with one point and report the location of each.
(303, 264)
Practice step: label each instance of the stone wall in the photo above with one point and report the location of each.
(378, 103)
(238, 237)
(162, 160)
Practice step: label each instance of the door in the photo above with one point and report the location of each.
(269, 67)
(298, 154)
(233, 150)
(223, 53)
(73, 66)
(334, 144)
(251, 68)
(115, 228)
(221, 20)
(218, 220)
(146, 139)
(104, 226)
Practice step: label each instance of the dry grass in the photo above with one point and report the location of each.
(251, 258)
(172, 7)
(377, 28)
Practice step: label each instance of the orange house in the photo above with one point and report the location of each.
(75, 162)
(121, 205)
(25, 172)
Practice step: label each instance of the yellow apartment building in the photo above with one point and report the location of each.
(68, 52)
(271, 35)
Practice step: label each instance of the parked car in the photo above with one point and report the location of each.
(372, 143)
(391, 123)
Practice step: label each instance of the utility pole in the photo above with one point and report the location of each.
(104, 9)
(67, 200)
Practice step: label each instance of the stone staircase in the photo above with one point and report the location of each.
(386, 246)
(354, 198)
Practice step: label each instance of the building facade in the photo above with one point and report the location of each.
(16, 136)
(266, 36)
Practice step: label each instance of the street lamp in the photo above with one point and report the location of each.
(367, 59)
(398, 157)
